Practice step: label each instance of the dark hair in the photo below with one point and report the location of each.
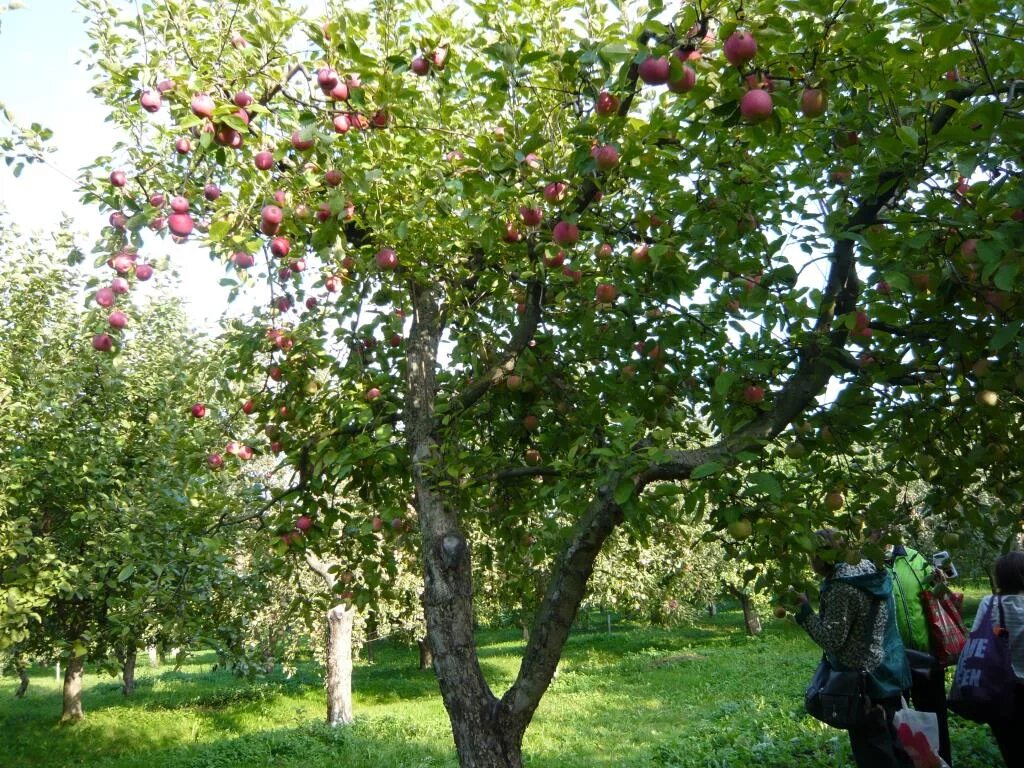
(1010, 573)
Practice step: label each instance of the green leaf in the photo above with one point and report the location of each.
(908, 136)
(126, 573)
(624, 492)
(704, 470)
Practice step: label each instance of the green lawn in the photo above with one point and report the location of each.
(701, 696)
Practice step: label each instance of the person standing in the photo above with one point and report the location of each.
(1009, 582)
(856, 628)
(912, 573)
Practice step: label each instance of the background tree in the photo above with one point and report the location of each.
(498, 248)
(104, 513)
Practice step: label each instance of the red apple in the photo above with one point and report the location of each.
(386, 258)
(150, 101)
(812, 102)
(303, 141)
(753, 394)
(440, 56)
(556, 191)
(740, 47)
(606, 293)
(554, 262)
(211, 192)
(333, 177)
(215, 461)
(372, 394)
(641, 254)
(565, 233)
(102, 342)
(606, 156)
(685, 81)
(165, 85)
(654, 70)
(333, 283)
(340, 92)
(202, 105)
(180, 224)
(280, 247)
(327, 79)
(264, 160)
(841, 175)
(511, 234)
(198, 410)
(604, 251)
(117, 319)
(531, 423)
(179, 204)
(118, 178)
(119, 286)
(242, 99)
(573, 274)
(304, 523)
(118, 220)
(341, 123)
(143, 272)
(606, 104)
(183, 146)
(531, 216)
(755, 106)
(420, 66)
(532, 457)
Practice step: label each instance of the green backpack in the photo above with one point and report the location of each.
(909, 575)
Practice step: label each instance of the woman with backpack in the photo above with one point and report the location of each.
(856, 628)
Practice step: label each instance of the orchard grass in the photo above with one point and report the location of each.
(704, 695)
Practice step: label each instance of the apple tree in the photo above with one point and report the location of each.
(544, 269)
(104, 541)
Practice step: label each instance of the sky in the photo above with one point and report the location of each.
(43, 44)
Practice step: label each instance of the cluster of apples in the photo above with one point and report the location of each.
(125, 263)
(740, 49)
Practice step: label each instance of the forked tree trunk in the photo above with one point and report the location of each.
(128, 671)
(426, 657)
(339, 664)
(73, 690)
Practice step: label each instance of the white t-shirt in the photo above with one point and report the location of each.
(1013, 613)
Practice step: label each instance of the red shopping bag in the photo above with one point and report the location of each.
(946, 630)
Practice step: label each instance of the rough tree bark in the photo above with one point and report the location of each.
(339, 664)
(73, 690)
(128, 670)
(338, 679)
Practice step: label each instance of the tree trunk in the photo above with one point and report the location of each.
(154, 660)
(750, 617)
(19, 667)
(128, 671)
(73, 690)
(426, 656)
(339, 664)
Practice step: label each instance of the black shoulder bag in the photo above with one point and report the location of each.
(839, 697)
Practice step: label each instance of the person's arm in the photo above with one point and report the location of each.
(831, 627)
(982, 606)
